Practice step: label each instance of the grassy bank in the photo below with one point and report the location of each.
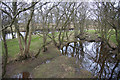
(57, 67)
(112, 38)
(13, 46)
(61, 67)
(37, 41)
(28, 65)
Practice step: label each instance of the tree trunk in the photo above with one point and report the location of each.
(13, 36)
(28, 32)
(17, 28)
(117, 39)
(44, 38)
(53, 36)
(4, 49)
(20, 43)
(5, 54)
(29, 42)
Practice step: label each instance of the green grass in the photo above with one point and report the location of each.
(13, 46)
(90, 31)
(60, 67)
(29, 65)
(112, 38)
(36, 43)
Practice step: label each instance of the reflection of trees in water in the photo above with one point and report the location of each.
(74, 50)
(105, 64)
(100, 61)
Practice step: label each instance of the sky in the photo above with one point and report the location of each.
(28, 1)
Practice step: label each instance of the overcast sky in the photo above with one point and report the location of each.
(28, 1)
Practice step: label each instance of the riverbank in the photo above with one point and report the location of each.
(49, 64)
(37, 41)
(46, 61)
(17, 67)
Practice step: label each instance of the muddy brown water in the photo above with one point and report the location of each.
(26, 75)
(94, 57)
(22, 75)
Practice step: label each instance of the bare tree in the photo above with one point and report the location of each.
(4, 49)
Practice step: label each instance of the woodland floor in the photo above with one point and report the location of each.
(59, 66)
(50, 64)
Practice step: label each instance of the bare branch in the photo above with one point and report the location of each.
(6, 13)
(13, 19)
(7, 6)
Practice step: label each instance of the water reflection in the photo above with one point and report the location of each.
(23, 75)
(95, 57)
(47, 61)
(9, 35)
